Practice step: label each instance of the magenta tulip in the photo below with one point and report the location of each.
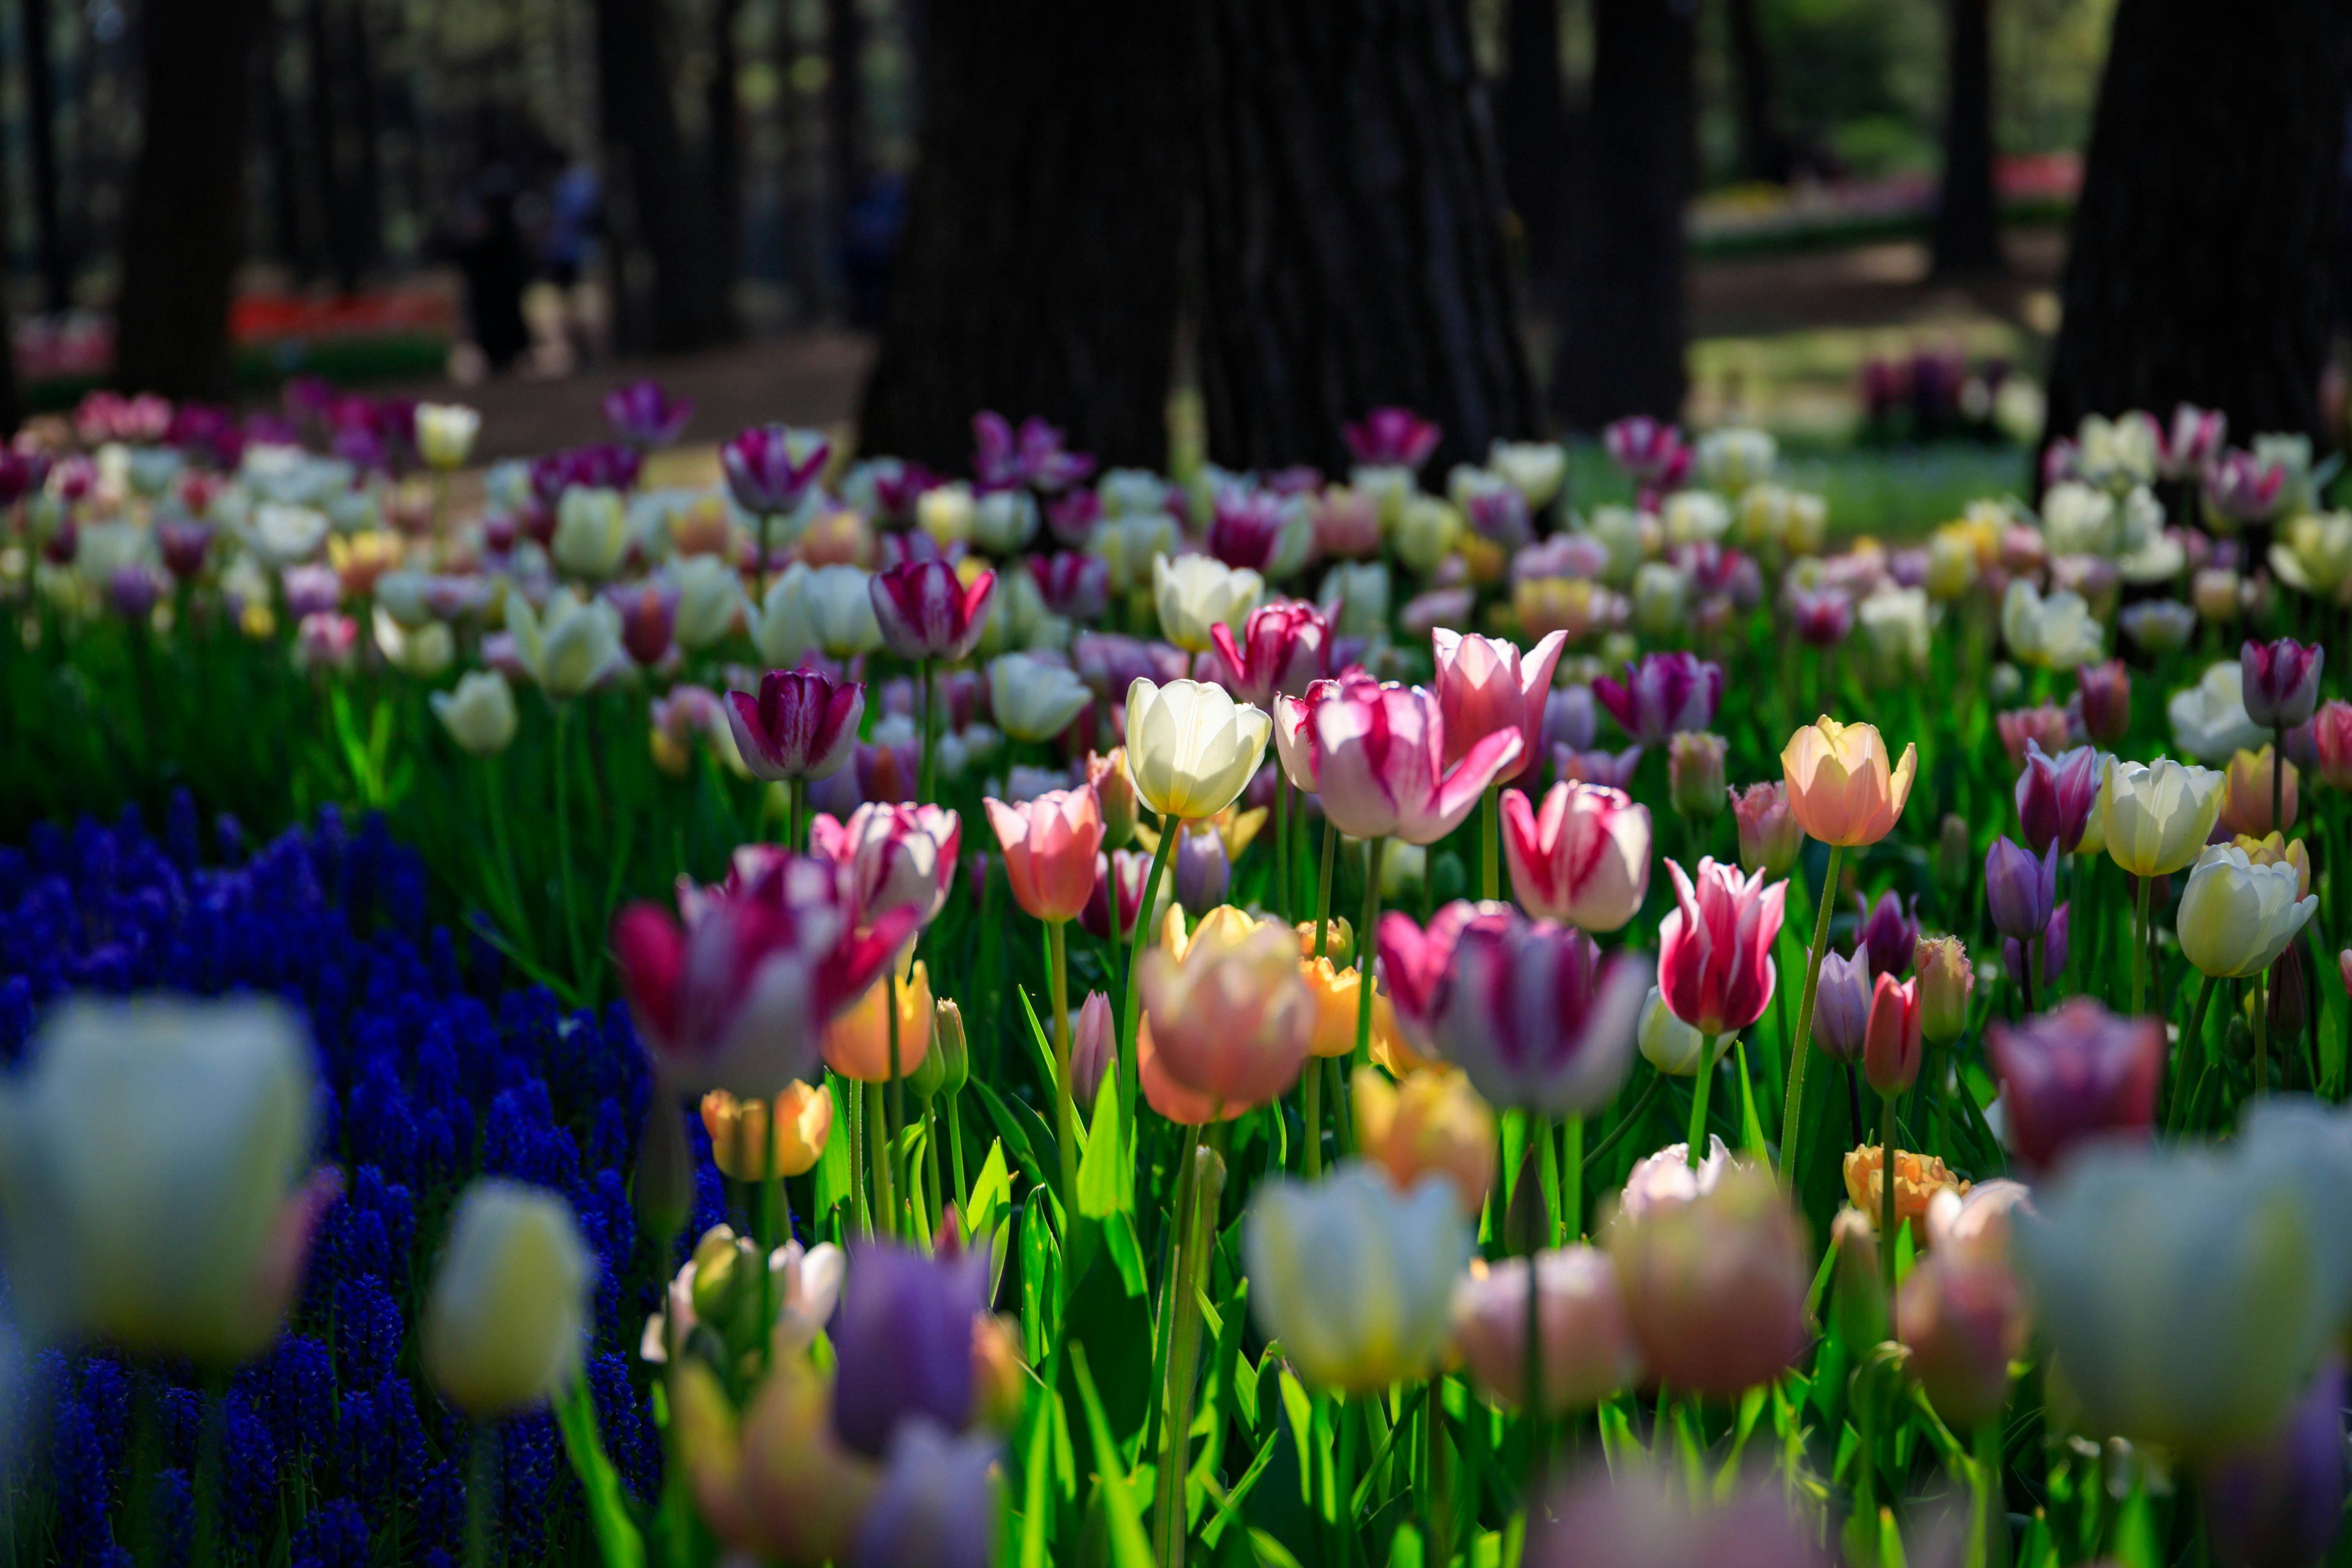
(1074, 586)
(1667, 693)
(2075, 1073)
(1537, 1015)
(2054, 796)
(1484, 686)
(799, 726)
(1395, 437)
(926, 611)
(770, 467)
(1284, 648)
(898, 857)
(1374, 754)
(1714, 947)
(1583, 860)
(2281, 681)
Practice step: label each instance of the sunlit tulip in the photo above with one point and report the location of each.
(1374, 754)
(1587, 1342)
(2160, 816)
(1535, 1013)
(1355, 1280)
(1964, 1322)
(1196, 593)
(1094, 1047)
(924, 611)
(1715, 948)
(1583, 860)
(1281, 650)
(1693, 517)
(506, 1322)
(2236, 917)
(1667, 693)
(1355, 595)
(2246, 794)
(2278, 1501)
(445, 434)
(2210, 720)
(1668, 1044)
(738, 1131)
(1337, 988)
(1716, 1286)
(2055, 796)
(1839, 785)
(1190, 748)
(899, 856)
(1891, 1041)
(2054, 633)
(1427, 1124)
(1736, 456)
(1665, 1177)
(2313, 555)
(1918, 1178)
(801, 725)
(1050, 845)
(1034, 699)
(1232, 1019)
(569, 646)
(480, 714)
(1425, 532)
(1897, 624)
(1841, 1005)
(1483, 686)
(857, 1042)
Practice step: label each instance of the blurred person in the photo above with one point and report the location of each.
(490, 254)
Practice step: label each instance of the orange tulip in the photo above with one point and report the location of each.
(1230, 1016)
(1049, 850)
(1839, 785)
(1917, 1179)
(1429, 1123)
(857, 1042)
(738, 1129)
(1336, 993)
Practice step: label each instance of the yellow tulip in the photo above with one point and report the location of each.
(857, 1042)
(505, 1323)
(738, 1131)
(1429, 1123)
(1840, 786)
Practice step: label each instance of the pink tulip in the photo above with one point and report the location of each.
(2242, 487)
(1715, 948)
(1583, 860)
(1769, 834)
(2192, 441)
(1716, 1286)
(799, 726)
(927, 611)
(737, 996)
(1393, 436)
(1050, 847)
(1588, 1344)
(898, 857)
(1483, 687)
(1537, 1015)
(1651, 451)
(1094, 1046)
(1284, 649)
(1890, 1042)
(1074, 586)
(769, 468)
(1124, 870)
(1375, 754)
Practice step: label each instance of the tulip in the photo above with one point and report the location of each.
(2253, 801)
(570, 647)
(2237, 917)
(1583, 860)
(2073, 1074)
(1034, 699)
(324, 642)
(778, 1484)
(1694, 774)
(1670, 1046)
(1587, 1351)
(2210, 719)
(1714, 1286)
(153, 1193)
(1195, 593)
(1392, 438)
(1823, 618)
(1231, 1020)
(1356, 1282)
(445, 434)
(643, 414)
(2055, 797)
(1426, 1123)
(740, 1131)
(2054, 633)
(1284, 648)
(2160, 816)
(1114, 796)
(706, 595)
(1534, 1013)
(1121, 871)
(2241, 488)
(2043, 727)
(480, 714)
(1842, 1006)
(1375, 753)
(1483, 687)
(1963, 1323)
(859, 1043)
(937, 1507)
(1667, 692)
(926, 612)
(1415, 964)
(1769, 835)
(1074, 586)
(1919, 1180)
(1537, 469)
(1190, 747)
(2331, 735)
(1839, 785)
(1033, 455)
(504, 1324)
(1355, 595)
(799, 726)
(1050, 845)
(2103, 701)
(898, 857)
(903, 1341)
(1715, 948)
(1635, 1515)
(591, 532)
(1665, 1177)
(2158, 626)
(1610, 772)
(1094, 1047)
(2272, 850)
(1895, 621)
(2278, 1502)
(2020, 891)
(770, 467)
(1890, 1044)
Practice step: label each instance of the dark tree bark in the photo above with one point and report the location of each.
(844, 114)
(330, 165)
(1622, 317)
(1967, 218)
(662, 221)
(182, 232)
(2198, 264)
(1352, 236)
(287, 235)
(1038, 274)
(723, 112)
(1765, 151)
(1532, 125)
(55, 252)
(364, 138)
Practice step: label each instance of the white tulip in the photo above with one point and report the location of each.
(1190, 748)
(1670, 1045)
(591, 532)
(2210, 720)
(1003, 520)
(2119, 452)
(1658, 596)
(2058, 632)
(1355, 595)
(1622, 533)
(1537, 469)
(780, 626)
(283, 535)
(1194, 592)
(841, 611)
(1034, 699)
(1129, 542)
(709, 595)
(2159, 816)
(504, 1324)
(445, 434)
(480, 714)
(569, 646)
(1734, 459)
(1896, 622)
(1695, 517)
(2236, 917)
(422, 651)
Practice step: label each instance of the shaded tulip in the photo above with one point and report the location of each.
(1666, 693)
(1769, 834)
(799, 725)
(2236, 917)
(2075, 1073)
(2279, 682)
(1094, 1046)
(1483, 686)
(739, 1132)
(770, 467)
(1355, 1280)
(591, 532)
(1918, 1178)
(1427, 1124)
(507, 1318)
(1114, 794)
(2044, 728)
(1201, 872)
(1716, 1286)
(1587, 1342)
(1665, 1177)
(1842, 1006)
(857, 1040)
(903, 1341)
(2103, 701)
(1375, 754)
(1582, 860)
(2209, 720)
(1612, 770)
(445, 434)
(1891, 1041)
(2055, 796)
(2246, 794)
(645, 414)
(1668, 1044)
(1715, 948)
(937, 1507)
(1190, 748)
(1121, 872)
(1051, 844)
(2053, 950)
(2272, 850)
(1946, 979)
(480, 714)
(1194, 594)
(2160, 815)
(1415, 963)
(2278, 1502)
(1034, 699)
(1858, 1301)
(1840, 784)
(1535, 1013)
(1694, 775)
(1231, 1018)
(925, 611)
(1964, 1324)
(2331, 737)
(569, 646)
(1888, 934)
(2020, 889)
(2158, 626)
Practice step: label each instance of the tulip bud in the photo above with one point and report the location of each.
(505, 1321)
(1203, 872)
(1859, 1300)
(1694, 774)
(1115, 789)
(998, 1379)
(2102, 700)
(1769, 834)
(948, 1045)
(2020, 890)
(1093, 1046)
(1339, 940)
(1890, 1048)
(726, 1294)
(926, 1077)
(1842, 1006)
(1945, 980)
(1668, 1044)
(740, 1131)
(1890, 934)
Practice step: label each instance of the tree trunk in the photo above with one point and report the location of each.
(1622, 321)
(723, 111)
(664, 220)
(286, 231)
(1967, 218)
(186, 220)
(2198, 265)
(364, 198)
(1038, 273)
(41, 116)
(335, 195)
(1532, 126)
(1352, 230)
(1765, 152)
(844, 118)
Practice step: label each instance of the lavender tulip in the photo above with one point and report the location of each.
(1890, 934)
(1204, 873)
(1842, 1006)
(904, 1341)
(937, 1506)
(2053, 950)
(643, 414)
(2280, 681)
(2278, 1503)
(1537, 1015)
(1664, 693)
(2020, 889)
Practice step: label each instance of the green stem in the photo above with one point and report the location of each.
(208, 1468)
(1802, 1047)
(1886, 1201)
(1489, 832)
(955, 1152)
(772, 1203)
(1539, 1133)
(1989, 1530)
(861, 1196)
(2139, 942)
(1175, 1434)
(2278, 781)
(1282, 845)
(1132, 1013)
(895, 1116)
(2262, 1032)
(798, 792)
(1323, 891)
(1310, 1110)
(1065, 1114)
(936, 1215)
(1375, 851)
(2192, 1051)
(1703, 1081)
(929, 786)
(481, 1482)
(884, 1220)
(1435, 1515)
(563, 842)
(1572, 1180)
(503, 879)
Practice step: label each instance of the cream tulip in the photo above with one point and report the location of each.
(1736, 458)
(422, 651)
(709, 595)
(568, 647)
(1670, 1045)
(1537, 469)
(1355, 595)
(1895, 621)
(1191, 747)
(2236, 916)
(1034, 699)
(840, 609)
(1194, 592)
(781, 627)
(2160, 815)
(480, 714)
(2056, 632)
(591, 532)
(1129, 543)
(1695, 517)
(2316, 555)
(2210, 719)
(445, 434)
(507, 1315)
(1425, 532)
(1356, 1281)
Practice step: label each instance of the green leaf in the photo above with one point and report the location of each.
(1404, 1547)
(1751, 1128)
(617, 1540)
(1126, 1252)
(1130, 1547)
(1113, 1323)
(1036, 1474)
(1039, 1267)
(1105, 1185)
(1270, 1552)
(835, 1181)
(1037, 1038)
(1229, 1503)
(1024, 1135)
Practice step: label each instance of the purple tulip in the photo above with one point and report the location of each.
(1245, 530)
(2075, 1073)
(2278, 1503)
(1535, 1013)
(311, 589)
(1203, 872)
(1842, 1006)
(643, 414)
(131, 591)
(2020, 889)
(799, 726)
(21, 474)
(1567, 718)
(601, 465)
(1614, 769)
(185, 546)
(1392, 438)
(1034, 456)
(2101, 706)
(1665, 693)
(937, 1505)
(2242, 487)
(770, 467)
(1071, 517)
(903, 1339)
(2055, 797)
(2053, 950)
(927, 611)
(1109, 663)
(2280, 681)
(1498, 513)
(1889, 934)
(1074, 586)
(873, 772)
